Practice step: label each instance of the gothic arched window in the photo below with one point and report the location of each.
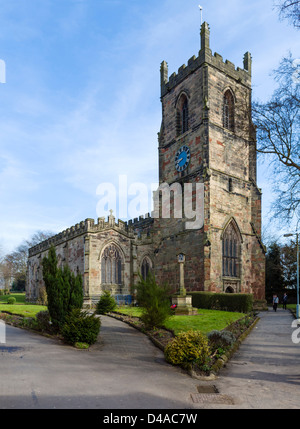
(228, 110)
(145, 268)
(111, 266)
(182, 119)
(231, 252)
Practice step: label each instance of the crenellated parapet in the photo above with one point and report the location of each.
(136, 228)
(205, 57)
(141, 228)
(67, 234)
(140, 222)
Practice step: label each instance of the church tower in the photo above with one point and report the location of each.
(207, 138)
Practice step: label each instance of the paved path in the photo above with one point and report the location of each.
(124, 370)
(265, 371)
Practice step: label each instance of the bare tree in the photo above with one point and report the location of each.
(277, 129)
(290, 10)
(14, 264)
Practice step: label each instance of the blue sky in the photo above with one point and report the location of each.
(81, 102)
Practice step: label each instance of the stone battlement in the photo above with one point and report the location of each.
(141, 220)
(89, 226)
(205, 57)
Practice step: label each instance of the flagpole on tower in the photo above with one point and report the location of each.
(200, 7)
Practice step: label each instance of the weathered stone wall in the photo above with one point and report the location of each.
(69, 252)
(166, 264)
(81, 249)
(225, 160)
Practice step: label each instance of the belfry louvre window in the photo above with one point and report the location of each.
(231, 252)
(111, 266)
(182, 115)
(228, 111)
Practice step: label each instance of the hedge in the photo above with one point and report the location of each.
(241, 302)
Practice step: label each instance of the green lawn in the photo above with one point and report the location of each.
(205, 321)
(20, 297)
(20, 307)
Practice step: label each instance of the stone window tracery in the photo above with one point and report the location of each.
(231, 252)
(111, 266)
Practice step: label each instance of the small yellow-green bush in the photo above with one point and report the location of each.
(188, 349)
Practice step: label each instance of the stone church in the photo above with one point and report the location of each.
(206, 137)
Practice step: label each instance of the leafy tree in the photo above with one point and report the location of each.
(274, 268)
(19, 284)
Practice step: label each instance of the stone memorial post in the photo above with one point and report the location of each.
(181, 261)
(182, 301)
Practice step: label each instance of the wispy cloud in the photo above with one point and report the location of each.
(81, 105)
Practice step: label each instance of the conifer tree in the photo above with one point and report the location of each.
(53, 284)
(64, 289)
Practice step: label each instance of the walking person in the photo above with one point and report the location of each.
(275, 302)
(284, 300)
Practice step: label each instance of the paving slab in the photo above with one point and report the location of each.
(265, 372)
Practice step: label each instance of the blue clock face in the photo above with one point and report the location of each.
(182, 158)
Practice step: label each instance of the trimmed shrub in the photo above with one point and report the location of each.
(106, 303)
(188, 349)
(81, 327)
(240, 302)
(220, 339)
(11, 300)
(155, 301)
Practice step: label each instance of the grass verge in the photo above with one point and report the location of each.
(20, 308)
(20, 297)
(205, 321)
